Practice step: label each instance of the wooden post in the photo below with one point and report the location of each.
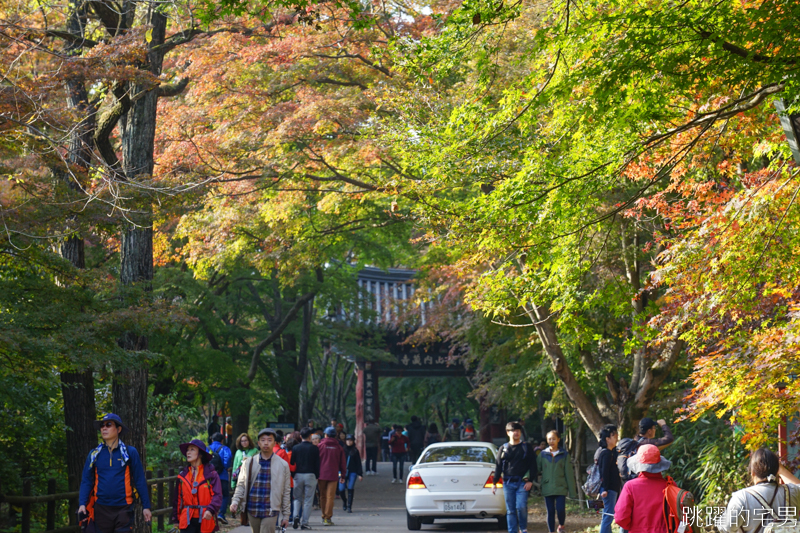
(171, 487)
(51, 505)
(161, 505)
(148, 476)
(26, 507)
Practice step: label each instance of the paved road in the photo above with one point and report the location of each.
(379, 507)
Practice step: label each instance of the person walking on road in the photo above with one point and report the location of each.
(558, 481)
(610, 482)
(640, 508)
(245, 447)
(113, 477)
(372, 443)
(213, 427)
(263, 489)
(398, 444)
(332, 468)
(305, 459)
(353, 469)
(453, 431)
(432, 435)
(198, 494)
(516, 462)
(385, 451)
(468, 433)
(225, 456)
(416, 438)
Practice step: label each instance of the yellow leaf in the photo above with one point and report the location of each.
(149, 35)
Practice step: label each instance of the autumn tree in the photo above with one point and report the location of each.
(533, 155)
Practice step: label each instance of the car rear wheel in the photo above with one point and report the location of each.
(502, 522)
(414, 523)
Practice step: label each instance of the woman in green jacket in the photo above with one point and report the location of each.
(558, 481)
(244, 448)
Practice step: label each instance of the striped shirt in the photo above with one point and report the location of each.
(258, 500)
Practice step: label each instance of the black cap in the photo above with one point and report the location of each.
(645, 424)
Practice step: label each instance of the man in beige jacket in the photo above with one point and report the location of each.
(263, 487)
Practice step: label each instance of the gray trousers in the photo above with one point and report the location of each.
(304, 487)
(263, 525)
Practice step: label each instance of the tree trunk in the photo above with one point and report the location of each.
(79, 413)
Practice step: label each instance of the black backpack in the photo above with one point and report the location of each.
(216, 462)
(626, 448)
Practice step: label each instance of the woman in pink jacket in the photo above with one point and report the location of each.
(640, 508)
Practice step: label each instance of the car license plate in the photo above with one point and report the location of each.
(454, 507)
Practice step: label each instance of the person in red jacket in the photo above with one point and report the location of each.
(640, 508)
(398, 445)
(332, 468)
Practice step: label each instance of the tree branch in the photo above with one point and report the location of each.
(168, 90)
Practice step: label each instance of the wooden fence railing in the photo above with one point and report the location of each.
(27, 501)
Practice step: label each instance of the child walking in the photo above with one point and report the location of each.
(558, 481)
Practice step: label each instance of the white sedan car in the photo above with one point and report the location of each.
(454, 480)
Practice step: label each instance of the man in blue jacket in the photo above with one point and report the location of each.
(225, 455)
(113, 478)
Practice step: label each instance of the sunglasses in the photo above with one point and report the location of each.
(194, 487)
(108, 424)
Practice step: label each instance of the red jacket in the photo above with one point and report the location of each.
(640, 507)
(398, 442)
(331, 459)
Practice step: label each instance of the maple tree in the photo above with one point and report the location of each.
(545, 161)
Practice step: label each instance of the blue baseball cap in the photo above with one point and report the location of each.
(112, 417)
(330, 431)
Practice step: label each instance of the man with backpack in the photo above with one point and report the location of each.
(221, 459)
(640, 507)
(516, 462)
(112, 479)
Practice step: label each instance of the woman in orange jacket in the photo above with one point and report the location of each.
(198, 495)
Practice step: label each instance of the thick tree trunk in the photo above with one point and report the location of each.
(79, 413)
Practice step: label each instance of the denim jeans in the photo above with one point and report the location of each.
(516, 505)
(555, 505)
(226, 497)
(350, 480)
(609, 503)
(398, 458)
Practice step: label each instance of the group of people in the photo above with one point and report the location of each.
(519, 464)
(399, 444)
(271, 479)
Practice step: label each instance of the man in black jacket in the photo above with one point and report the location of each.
(305, 458)
(516, 461)
(416, 438)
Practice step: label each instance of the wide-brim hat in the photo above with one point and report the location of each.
(98, 424)
(200, 446)
(648, 459)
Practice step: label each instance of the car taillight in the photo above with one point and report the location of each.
(491, 480)
(415, 481)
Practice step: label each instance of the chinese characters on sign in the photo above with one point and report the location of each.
(369, 396)
(418, 360)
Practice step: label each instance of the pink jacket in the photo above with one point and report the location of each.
(640, 507)
(331, 459)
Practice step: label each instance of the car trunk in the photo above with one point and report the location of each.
(454, 476)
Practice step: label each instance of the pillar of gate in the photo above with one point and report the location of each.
(367, 406)
(492, 423)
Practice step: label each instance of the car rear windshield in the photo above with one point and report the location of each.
(458, 454)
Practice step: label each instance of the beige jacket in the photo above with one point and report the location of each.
(280, 484)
